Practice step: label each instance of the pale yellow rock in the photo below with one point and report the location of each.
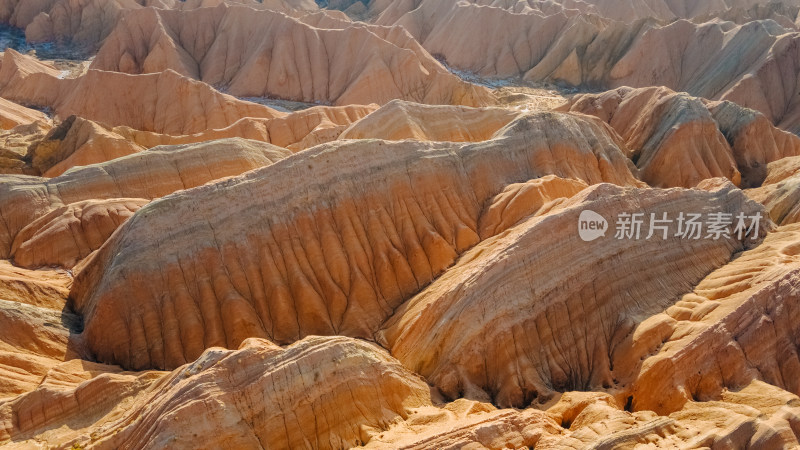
(34, 340)
(780, 192)
(15, 145)
(258, 396)
(68, 398)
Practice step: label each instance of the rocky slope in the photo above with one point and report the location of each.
(329, 61)
(265, 224)
(165, 102)
(665, 130)
(590, 50)
(85, 24)
(28, 203)
(379, 236)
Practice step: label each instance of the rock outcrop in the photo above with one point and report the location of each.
(389, 216)
(163, 102)
(145, 175)
(42, 288)
(79, 142)
(746, 310)
(295, 131)
(331, 61)
(383, 224)
(34, 340)
(320, 392)
(70, 233)
(679, 140)
(672, 137)
(398, 120)
(15, 144)
(588, 50)
(577, 327)
(521, 200)
(754, 140)
(780, 192)
(12, 114)
(83, 25)
(66, 399)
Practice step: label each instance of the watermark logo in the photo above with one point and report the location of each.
(591, 225)
(691, 226)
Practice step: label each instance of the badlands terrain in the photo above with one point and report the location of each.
(399, 224)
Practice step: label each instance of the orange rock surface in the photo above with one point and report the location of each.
(664, 130)
(23, 199)
(399, 120)
(70, 233)
(291, 59)
(378, 239)
(12, 115)
(470, 310)
(399, 224)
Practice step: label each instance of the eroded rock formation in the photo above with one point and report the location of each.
(589, 309)
(386, 233)
(680, 140)
(163, 102)
(145, 175)
(389, 239)
(399, 120)
(341, 63)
